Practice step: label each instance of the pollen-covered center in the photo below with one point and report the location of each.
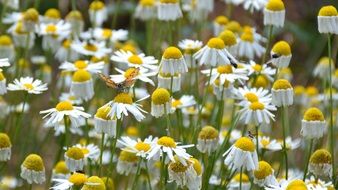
(33, 162)
(77, 179)
(282, 48)
(135, 59)
(66, 44)
(216, 43)
(264, 170)
(208, 132)
(228, 38)
(91, 47)
(256, 106)
(80, 64)
(237, 178)
(176, 103)
(94, 183)
(142, 146)
(321, 156)
(224, 69)
(265, 142)
(123, 98)
(61, 168)
(53, 13)
(167, 142)
(160, 96)
(28, 86)
(103, 113)
(172, 53)
(257, 68)
(96, 5)
(275, 5)
(221, 20)
(81, 75)
(5, 40)
(4, 141)
(197, 165)
(328, 11)
(169, 1)
(51, 28)
(147, 3)
(247, 36)
(130, 72)
(64, 106)
(31, 15)
(296, 184)
(281, 84)
(178, 167)
(75, 153)
(251, 97)
(128, 156)
(313, 114)
(245, 144)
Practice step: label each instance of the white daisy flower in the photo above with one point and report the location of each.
(226, 73)
(51, 15)
(236, 180)
(160, 102)
(234, 135)
(5, 147)
(169, 10)
(70, 98)
(166, 146)
(257, 113)
(173, 62)
(14, 4)
(258, 69)
(169, 82)
(254, 5)
(190, 47)
(98, 13)
(290, 144)
(122, 104)
(264, 175)
(110, 35)
(282, 93)
(10, 182)
(90, 151)
(248, 46)
(274, 13)
(146, 10)
(103, 123)
(55, 115)
(21, 36)
(313, 124)
(266, 143)
(322, 69)
(33, 169)
(83, 64)
(247, 95)
(214, 54)
(7, 48)
(207, 141)
(82, 85)
(91, 48)
(127, 163)
(75, 159)
(139, 147)
(320, 163)
(281, 54)
(328, 20)
(288, 184)
(219, 24)
(184, 102)
(76, 179)
(133, 60)
(27, 84)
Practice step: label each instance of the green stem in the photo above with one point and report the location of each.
(73, 5)
(167, 120)
(116, 9)
(162, 177)
(3, 12)
(221, 109)
(257, 141)
(240, 178)
(268, 44)
(148, 176)
(20, 117)
(137, 173)
(308, 159)
(284, 109)
(101, 152)
(113, 145)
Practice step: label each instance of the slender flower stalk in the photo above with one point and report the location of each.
(284, 120)
(308, 159)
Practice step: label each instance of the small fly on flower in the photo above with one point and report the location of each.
(122, 86)
(251, 135)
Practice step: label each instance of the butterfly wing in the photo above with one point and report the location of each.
(108, 81)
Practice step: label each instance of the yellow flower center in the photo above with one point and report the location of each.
(265, 142)
(31, 15)
(160, 96)
(275, 5)
(197, 165)
(103, 113)
(90, 47)
(123, 98)
(234, 27)
(142, 146)
(74, 15)
(2, 77)
(85, 151)
(321, 156)
(147, 3)
(298, 90)
(281, 84)
(107, 33)
(264, 170)
(221, 20)
(256, 106)
(129, 47)
(19, 28)
(80, 64)
(261, 81)
(128, 156)
(296, 184)
(282, 48)
(77, 179)
(109, 183)
(176, 103)
(75, 153)
(216, 43)
(228, 38)
(245, 178)
(33, 162)
(132, 131)
(96, 5)
(53, 13)
(66, 44)
(247, 36)
(5, 142)
(61, 168)
(167, 142)
(257, 67)
(251, 97)
(28, 86)
(172, 53)
(328, 11)
(64, 106)
(169, 1)
(245, 144)
(313, 114)
(135, 59)
(5, 40)
(325, 61)
(224, 69)
(311, 91)
(94, 183)
(130, 72)
(81, 76)
(208, 132)
(178, 167)
(51, 28)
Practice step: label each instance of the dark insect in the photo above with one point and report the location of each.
(233, 63)
(251, 135)
(122, 86)
(274, 56)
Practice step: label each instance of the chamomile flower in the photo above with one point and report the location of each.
(122, 104)
(82, 85)
(249, 46)
(226, 73)
(173, 62)
(318, 184)
(214, 54)
(30, 19)
(190, 47)
(183, 102)
(139, 147)
(27, 84)
(266, 143)
(322, 69)
(230, 41)
(264, 175)
(94, 182)
(328, 20)
(189, 175)
(313, 124)
(75, 159)
(142, 75)
(160, 102)
(321, 163)
(65, 52)
(146, 10)
(127, 163)
(169, 10)
(91, 48)
(83, 64)
(75, 18)
(225, 90)
(254, 5)
(282, 93)
(257, 113)
(97, 13)
(285, 73)
(14, 4)
(335, 79)
(7, 48)
(249, 95)
(9, 182)
(75, 180)
(236, 180)
(233, 135)
(219, 24)
(5, 147)
(168, 81)
(20, 36)
(291, 144)
(90, 151)
(257, 69)
(60, 170)
(166, 146)
(288, 185)
(132, 60)
(70, 98)
(54, 116)
(281, 54)
(103, 123)
(274, 13)
(207, 140)
(33, 169)
(51, 15)
(242, 155)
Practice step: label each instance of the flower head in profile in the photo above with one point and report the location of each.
(135, 60)
(27, 84)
